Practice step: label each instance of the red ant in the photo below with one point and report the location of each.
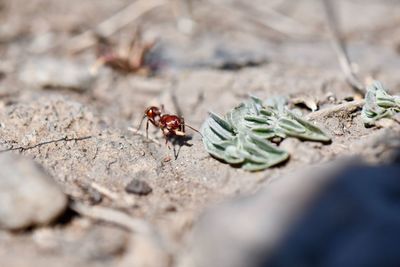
(170, 125)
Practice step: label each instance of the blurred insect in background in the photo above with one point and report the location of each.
(132, 58)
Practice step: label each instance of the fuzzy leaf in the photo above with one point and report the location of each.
(257, 119)
(241, 137)
(252, 167)
(264, 132)
(232, 155)
(379, 104)
(250, 151)
(220, 127)
(220, 121)
(235, 116)
(213, 150)
(310, 131)
(267, 112)
(291, 126)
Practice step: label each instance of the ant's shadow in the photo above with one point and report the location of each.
(179, 141)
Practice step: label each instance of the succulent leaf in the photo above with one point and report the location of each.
(311, 132)
(241, 137)
(379, 104)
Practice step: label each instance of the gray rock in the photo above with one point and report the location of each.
(28, 196)
(138, 187)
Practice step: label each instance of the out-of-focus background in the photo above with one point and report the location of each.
(76, 75)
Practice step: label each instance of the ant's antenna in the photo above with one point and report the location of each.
(141, 122)
(194, 129)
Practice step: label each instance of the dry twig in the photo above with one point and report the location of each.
(112, 216)
(64, 139)
(345, 107)
(146, 239)
(273, 20)
(124, 200)
(340, 48)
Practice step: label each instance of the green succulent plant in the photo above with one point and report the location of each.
(379, 104)
(242, 137)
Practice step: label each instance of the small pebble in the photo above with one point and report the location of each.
(94, 196)
(170, 208)
(330, 97)
(138, 187)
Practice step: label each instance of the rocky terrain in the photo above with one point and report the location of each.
(79, 188)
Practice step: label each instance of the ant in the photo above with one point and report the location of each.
(170, 125)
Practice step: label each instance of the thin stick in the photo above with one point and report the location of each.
(104, 191)
(283, 24)
(138, 132)
(146, 236)
(112, 216)
(64, 139)
(269, 17)
(126, 200)
(340, 48)
(345, 107)
(123, 200)
(113, 24)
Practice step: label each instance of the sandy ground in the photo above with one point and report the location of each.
(75, 125)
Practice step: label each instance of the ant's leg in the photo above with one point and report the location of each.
(162, 109)
(147, 129)
(141, 121)
(166, 135)
(175, 153)
(182, 125)
(166, 139)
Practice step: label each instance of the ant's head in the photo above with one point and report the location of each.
(152, 112)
